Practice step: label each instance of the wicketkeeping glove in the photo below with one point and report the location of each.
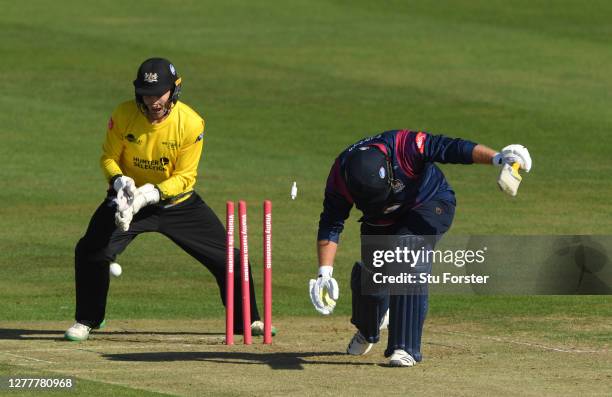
(145, 195)
(123, 219)
(324, 291)
(514, 154)
(125, 186)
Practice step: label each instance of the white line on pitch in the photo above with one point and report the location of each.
(516, 342)
(28, 358)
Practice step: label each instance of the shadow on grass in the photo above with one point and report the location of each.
(279, 360)
(58, 334)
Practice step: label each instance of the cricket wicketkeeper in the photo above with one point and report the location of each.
(392, 179)
(150, 159)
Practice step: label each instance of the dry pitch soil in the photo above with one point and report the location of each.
(307, 357)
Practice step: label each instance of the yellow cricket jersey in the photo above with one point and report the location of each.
(164, 154)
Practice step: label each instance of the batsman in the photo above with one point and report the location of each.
(393, 180)
(150, 159)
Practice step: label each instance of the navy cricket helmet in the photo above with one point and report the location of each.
(367, 174)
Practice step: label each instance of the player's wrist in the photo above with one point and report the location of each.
(326, 270)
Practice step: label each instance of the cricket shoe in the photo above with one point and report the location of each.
(400, 358)
(80, 332)
(257, 328)
(359, 345)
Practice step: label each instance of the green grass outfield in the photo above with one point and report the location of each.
(284, 87)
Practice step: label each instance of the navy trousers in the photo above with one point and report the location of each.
(406, 312)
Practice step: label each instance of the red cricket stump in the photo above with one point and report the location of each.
(267, 298)
(244, 275)
(229, 275)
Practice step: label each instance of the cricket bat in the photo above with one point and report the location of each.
(510, 179)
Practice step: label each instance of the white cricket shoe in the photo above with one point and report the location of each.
(78, 332)
(384, 324)
(359, 345)
(400, 358)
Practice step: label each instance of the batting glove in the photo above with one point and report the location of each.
(514, 154)
(324, 291)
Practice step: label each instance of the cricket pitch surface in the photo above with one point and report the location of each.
(307, 357)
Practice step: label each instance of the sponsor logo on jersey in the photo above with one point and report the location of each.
(150, 77)
(200, 137)
(154, 165)
(382, 173)
(131, 138)
(170, 144)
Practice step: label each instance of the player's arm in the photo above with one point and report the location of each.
(442, 149)
(124, 186)
(447, 150)
(111, 151)
(331, 224)
(510, 154)
(336, 208)
(326, 251)
(186, 167)
(482, 154)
